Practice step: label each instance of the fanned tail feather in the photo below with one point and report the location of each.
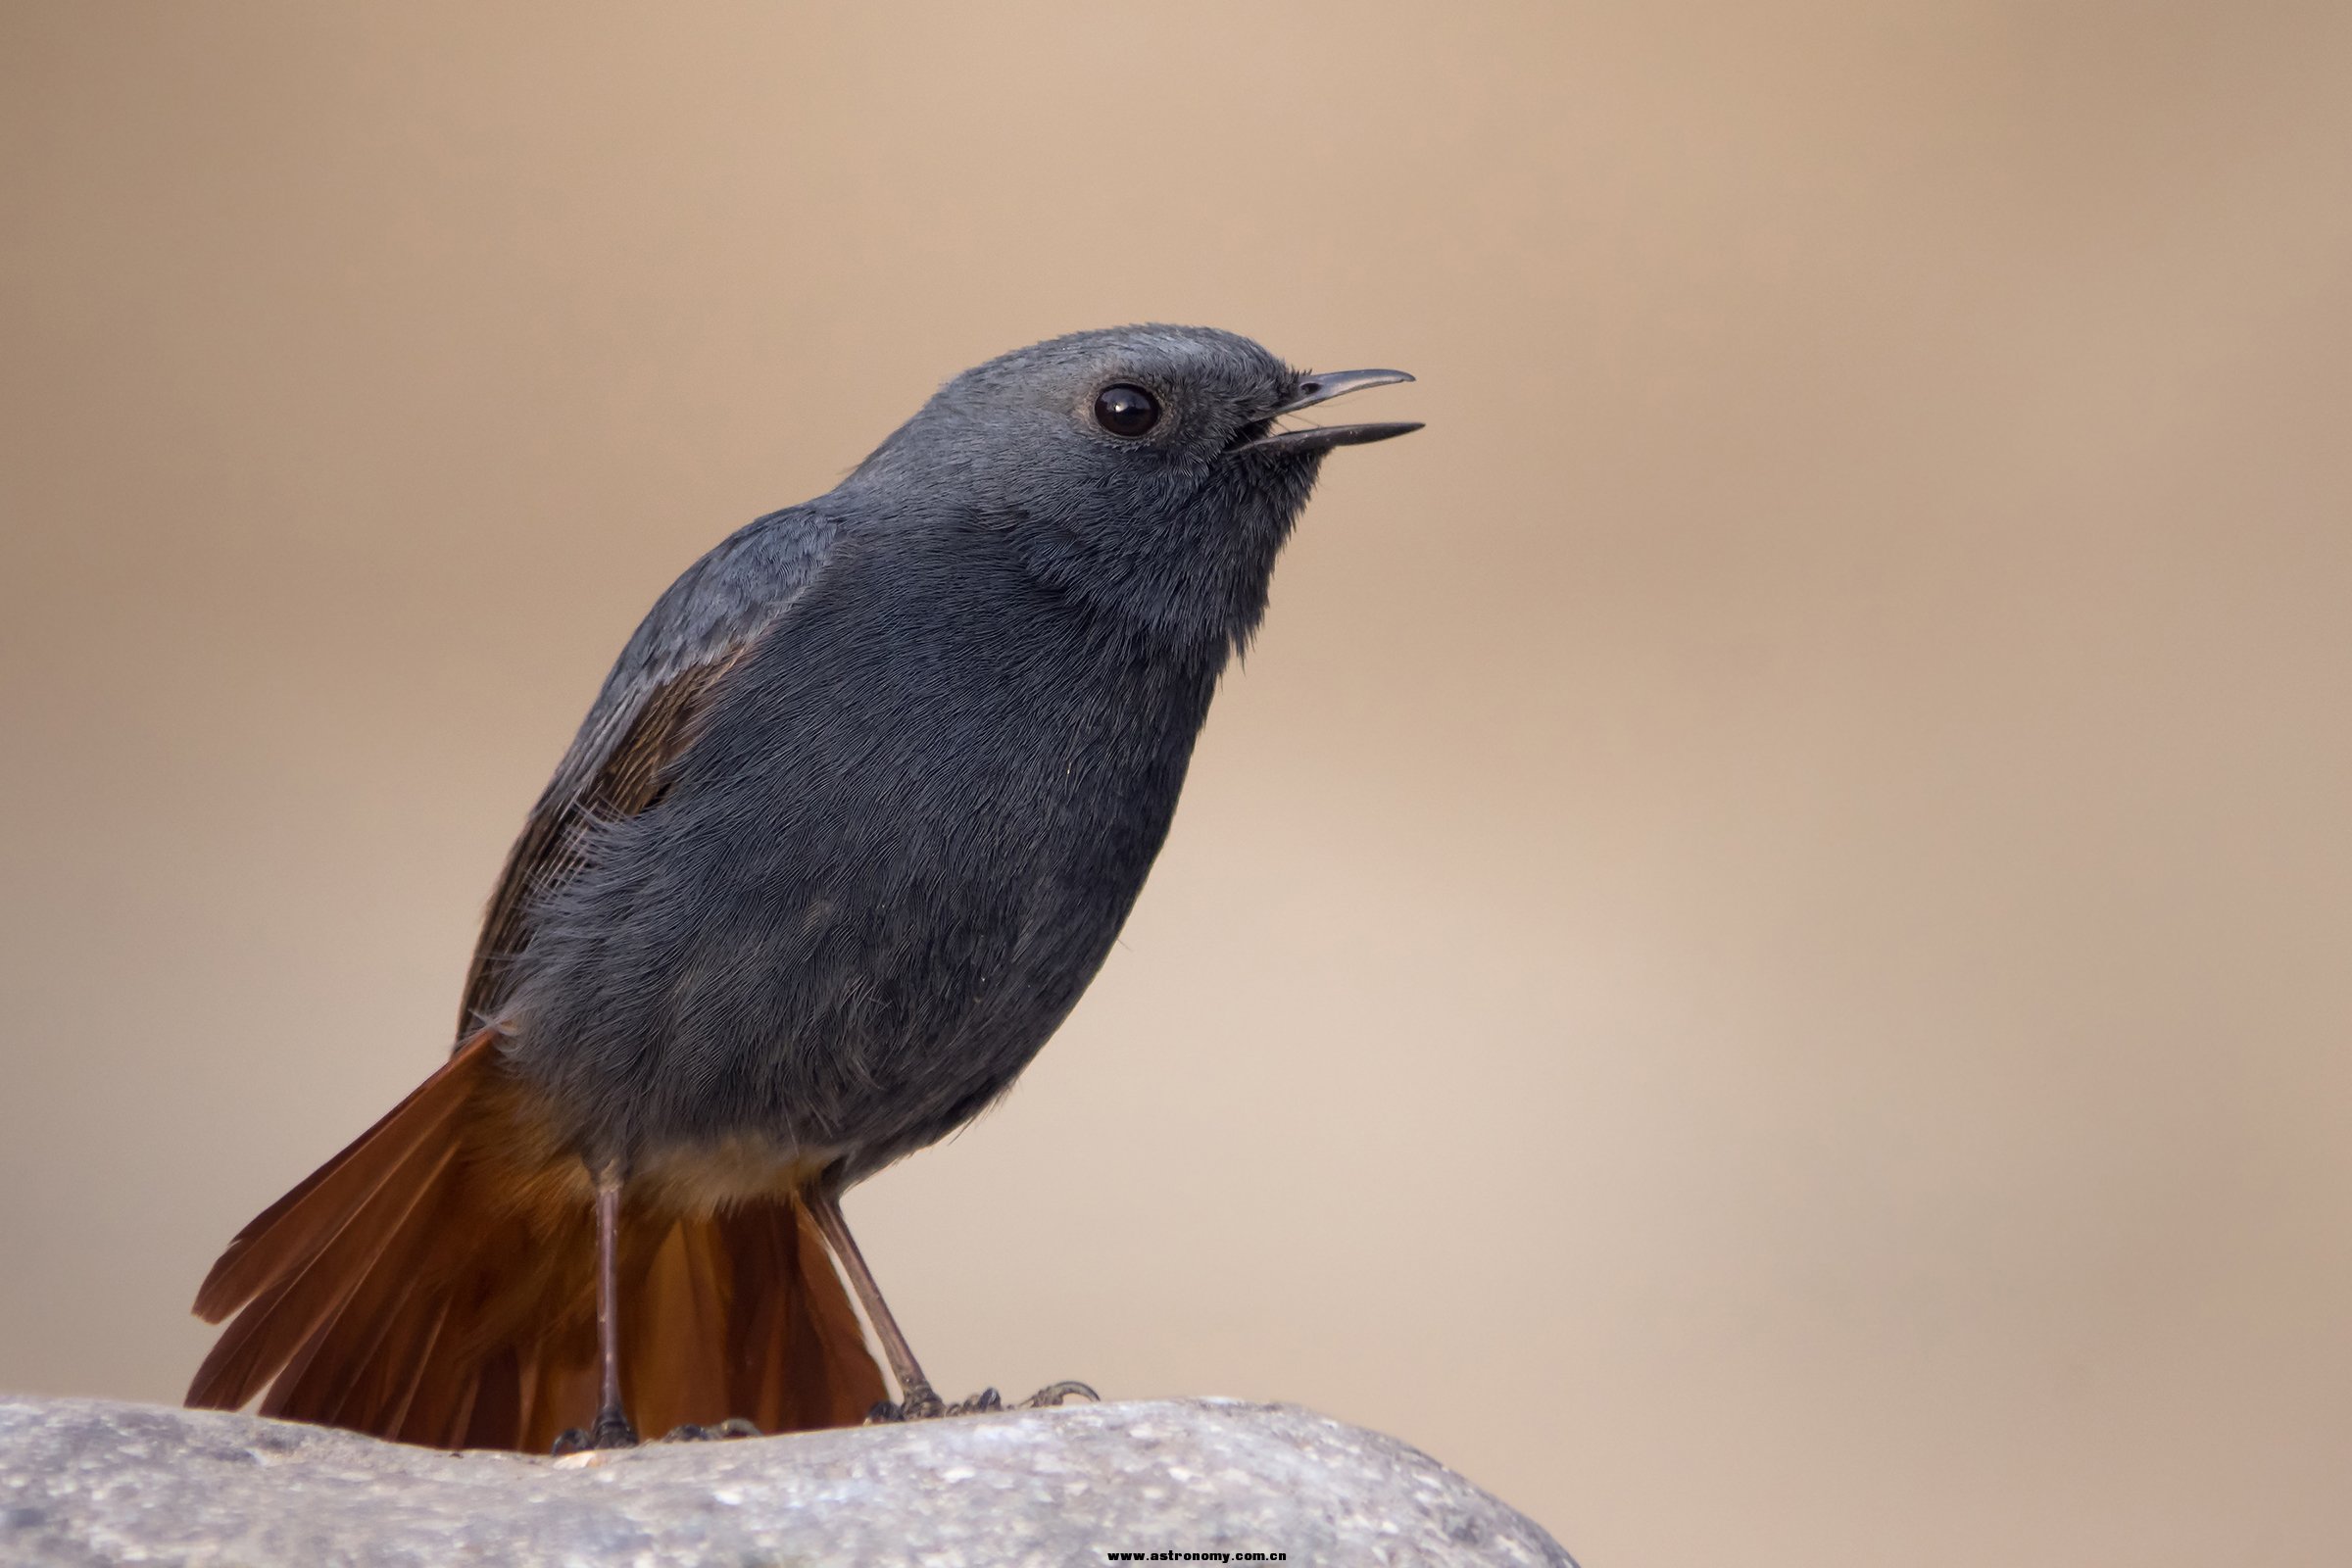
(434, 1283)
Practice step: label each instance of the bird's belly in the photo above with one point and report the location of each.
(784, 958)
(696, 1176)
(783, 1013)
(880, 1038)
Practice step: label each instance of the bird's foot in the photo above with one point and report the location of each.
(1054, 1394)
(922, 1403)
(611, 1429)
(734, 1426)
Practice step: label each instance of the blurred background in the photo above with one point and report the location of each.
(1758, 959)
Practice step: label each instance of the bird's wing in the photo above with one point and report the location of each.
(642, 719)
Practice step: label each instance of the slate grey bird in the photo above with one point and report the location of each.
(852, 822)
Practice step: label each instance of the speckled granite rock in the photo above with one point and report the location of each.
(88, 1481)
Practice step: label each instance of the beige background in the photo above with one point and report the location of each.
(1758, 959)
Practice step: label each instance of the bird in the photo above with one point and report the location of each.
(851, 823)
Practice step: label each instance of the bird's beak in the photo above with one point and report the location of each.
(1322, 388)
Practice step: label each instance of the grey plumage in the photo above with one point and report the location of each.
(862, 806)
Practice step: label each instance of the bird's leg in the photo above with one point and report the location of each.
(611, 1420)
(917, 1400)
(611, 1429)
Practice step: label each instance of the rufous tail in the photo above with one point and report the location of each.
(434, 1283)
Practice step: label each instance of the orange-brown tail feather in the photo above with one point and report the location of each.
(434, 1283)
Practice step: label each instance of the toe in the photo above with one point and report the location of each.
(1056, 1393)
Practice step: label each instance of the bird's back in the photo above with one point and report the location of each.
(641, 719)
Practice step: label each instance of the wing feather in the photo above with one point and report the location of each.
(642, 720)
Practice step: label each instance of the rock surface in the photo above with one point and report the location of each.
(88, 1482)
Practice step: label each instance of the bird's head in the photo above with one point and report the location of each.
(1144, 468)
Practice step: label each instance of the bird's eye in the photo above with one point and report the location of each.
(1126, 410)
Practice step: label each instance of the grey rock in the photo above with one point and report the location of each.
(89, 1482)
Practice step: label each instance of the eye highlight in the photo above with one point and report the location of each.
(1126, 410)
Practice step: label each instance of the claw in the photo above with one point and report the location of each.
(1052, 1393)
(734, 1426)
(923, 1405)
(920, 1405)
(611, 1429)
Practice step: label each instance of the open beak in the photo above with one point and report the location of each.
(1322, 388)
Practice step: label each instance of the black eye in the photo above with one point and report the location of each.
(1126, 410)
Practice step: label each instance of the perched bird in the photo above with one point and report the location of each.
(852, 822)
